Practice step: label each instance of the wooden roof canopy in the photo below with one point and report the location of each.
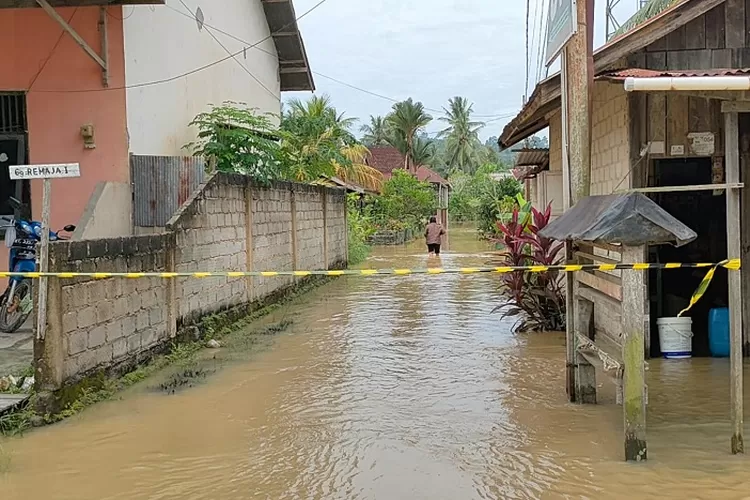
(294, 67)
(546, 96)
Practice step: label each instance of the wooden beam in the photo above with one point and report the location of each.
(104, 40)
(44, 4)
(607, 288)
(681, 189)
(734, 250)
(735, 107)
(286, 71)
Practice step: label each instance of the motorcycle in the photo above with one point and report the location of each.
(21, 237)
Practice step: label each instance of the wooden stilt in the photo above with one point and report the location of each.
(634, 296)
(734, 249)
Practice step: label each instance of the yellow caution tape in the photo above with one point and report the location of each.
(731, 264)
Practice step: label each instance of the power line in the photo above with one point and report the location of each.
(316, 73)
(51, 53)
(526, 84)
(188, 73)
(257, 80)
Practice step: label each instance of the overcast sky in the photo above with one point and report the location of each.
(430, 50)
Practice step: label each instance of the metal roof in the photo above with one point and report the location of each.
(532, 157)
(630, 219)
(650, 73)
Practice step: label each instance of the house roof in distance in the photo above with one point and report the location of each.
(386, 159)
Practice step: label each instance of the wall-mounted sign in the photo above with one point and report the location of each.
(702, 143)
(677, 150)
(561, 26)
(51, 171)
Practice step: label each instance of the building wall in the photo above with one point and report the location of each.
(103, 323)
(610, 146)
(158, 116)
(31, 55)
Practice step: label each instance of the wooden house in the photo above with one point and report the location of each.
(689, 150)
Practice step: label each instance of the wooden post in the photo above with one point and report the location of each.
(634, 297)
(734, 250)
(579, 82)
(570, 337)
(41, 322)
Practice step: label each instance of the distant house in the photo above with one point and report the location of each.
(386, 159)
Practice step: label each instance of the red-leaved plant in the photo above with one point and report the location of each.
(537, 297)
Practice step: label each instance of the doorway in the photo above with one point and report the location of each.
(13, 148)
(705, 213)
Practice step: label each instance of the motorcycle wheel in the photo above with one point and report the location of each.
(15, 310)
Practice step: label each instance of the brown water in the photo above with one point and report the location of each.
(390, 388)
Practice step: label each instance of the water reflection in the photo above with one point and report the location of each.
(391, 387)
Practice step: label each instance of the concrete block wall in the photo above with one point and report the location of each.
(100, 322)
(271, 240)
(610, 146)
(229, 224)
(310, 227)
(211, 237)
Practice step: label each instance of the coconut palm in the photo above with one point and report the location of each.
(461, 136)
(406, 120)
(317, 142)
(423, 152)
(376, 132)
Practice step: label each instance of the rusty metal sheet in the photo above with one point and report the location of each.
(161, 184)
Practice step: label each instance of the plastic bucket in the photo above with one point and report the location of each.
(676, 337)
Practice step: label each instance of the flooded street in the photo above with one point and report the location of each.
(389, 388)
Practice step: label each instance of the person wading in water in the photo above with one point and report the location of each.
(434, 236)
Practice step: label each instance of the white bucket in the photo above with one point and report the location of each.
(676, 337)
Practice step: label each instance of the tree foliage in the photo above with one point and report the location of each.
(376, 133)
(406, 120)
(462, 136)
(405, 202)
(481, 198)
(240, 140)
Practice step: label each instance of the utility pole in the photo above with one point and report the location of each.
(579, 76)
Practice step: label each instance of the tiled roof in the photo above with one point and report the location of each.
(386, 159)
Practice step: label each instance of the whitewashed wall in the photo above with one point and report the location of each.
(160, 43)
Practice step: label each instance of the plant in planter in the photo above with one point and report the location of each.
(538, 297)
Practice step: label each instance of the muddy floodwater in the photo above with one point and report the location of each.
(389, 388)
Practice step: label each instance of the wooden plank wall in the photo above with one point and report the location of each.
(604, 289)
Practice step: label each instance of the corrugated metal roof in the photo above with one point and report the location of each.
(650, 73)
(630, 219)
(532, 157)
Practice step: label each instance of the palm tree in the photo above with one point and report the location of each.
(317, 141)
(423, 152)
(405, 121)
(461, 135)
(356, 169)
(319, 108)
(376, 132)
